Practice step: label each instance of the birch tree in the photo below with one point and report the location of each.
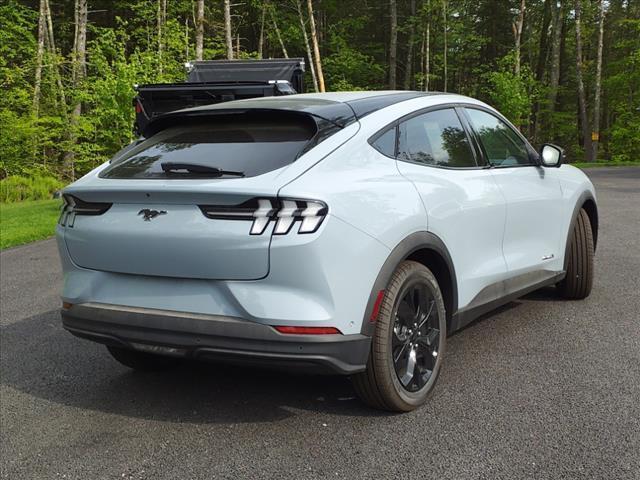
(596, 101)
(261, 37)
(517, 34)
(199, 29)
(393, 43)
(316, 47)
(78, 74)
(303, 26)
(444, 52)
(582, 98)
(39, 57)
(227, 29)
(278, 35)
(411, 40)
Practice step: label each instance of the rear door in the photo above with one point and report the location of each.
(136, 217)
(531, 235)
(465, 207)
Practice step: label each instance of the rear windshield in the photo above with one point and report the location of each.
(250, 144)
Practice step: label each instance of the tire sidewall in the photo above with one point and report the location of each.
(417, 273)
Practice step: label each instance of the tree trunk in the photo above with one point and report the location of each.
(161, 17)
(444, 19)
(409, 62)
(427, 52)
(54, 58)
(79, 72)
(517, 34)
(582, 98)
(39, 56)
(554, 73)
(261, 39)
(303, 26)
(227, 29)
(316, 47)
(200, 30)
(393, 43)
(549, 7)
(278, 36)
(596, 101)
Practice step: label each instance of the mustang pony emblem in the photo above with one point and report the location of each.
(150, 214)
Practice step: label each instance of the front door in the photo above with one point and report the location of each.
(532, 193)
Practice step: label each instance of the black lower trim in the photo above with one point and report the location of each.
(218, 338)
(502, 293)
(414, 242)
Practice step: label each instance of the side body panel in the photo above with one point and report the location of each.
(532, 236)
(467, 211)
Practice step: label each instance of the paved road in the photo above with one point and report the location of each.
(542, 388)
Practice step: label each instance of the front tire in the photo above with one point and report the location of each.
(142, 361)
(579, 279)
(408, 343)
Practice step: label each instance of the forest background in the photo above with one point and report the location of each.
(563, 71)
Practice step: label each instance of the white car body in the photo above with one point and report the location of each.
(499, 231)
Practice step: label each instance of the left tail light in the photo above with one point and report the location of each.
(284, 212)
(73, 206)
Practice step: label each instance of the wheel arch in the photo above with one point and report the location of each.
(429, 250)
(591, 208)
(587, 202)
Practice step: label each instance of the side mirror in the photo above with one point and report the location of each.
(551, 155)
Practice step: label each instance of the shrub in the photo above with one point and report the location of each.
(16, 188)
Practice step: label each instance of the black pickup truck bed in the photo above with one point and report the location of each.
(218, 81)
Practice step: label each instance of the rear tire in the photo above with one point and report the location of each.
(579, 279)
(142, 361)
(408, 344)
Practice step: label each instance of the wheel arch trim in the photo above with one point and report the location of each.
(414, 242)
(585, 199)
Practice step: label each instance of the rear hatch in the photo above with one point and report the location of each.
(185, 202)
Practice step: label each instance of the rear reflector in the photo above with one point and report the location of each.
(308, 330)
(376, 306)
(67, 305)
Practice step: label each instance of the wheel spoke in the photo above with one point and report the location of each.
(397, 356)
(409, 371)
(433, 302)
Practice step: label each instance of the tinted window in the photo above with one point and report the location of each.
(386, 143)
(250, 144)
(435, 138)
(502, 145)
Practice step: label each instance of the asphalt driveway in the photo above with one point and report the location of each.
(542, 388)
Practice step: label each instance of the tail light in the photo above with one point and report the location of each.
(261, 211)
(73, 206)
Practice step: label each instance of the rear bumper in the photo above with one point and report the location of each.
(215, 337)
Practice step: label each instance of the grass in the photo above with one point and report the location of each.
(605, 164)
(26, 222)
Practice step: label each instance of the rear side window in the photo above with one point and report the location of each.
(502, 145)
(251, 144)
(386, 143)
(435, 138)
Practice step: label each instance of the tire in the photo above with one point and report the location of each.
(142, 361)
(384, 383)
(579, 279)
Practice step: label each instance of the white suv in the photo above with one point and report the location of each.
(342, 232)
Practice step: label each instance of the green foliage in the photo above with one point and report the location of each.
(512, 94)
(124, 49)
(27, 221)
(37, 187)
(624, 87)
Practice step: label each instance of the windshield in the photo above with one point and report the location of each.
(252, 144)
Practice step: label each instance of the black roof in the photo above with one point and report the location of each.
(339, 113)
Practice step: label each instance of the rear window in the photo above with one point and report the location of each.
(251, 144)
